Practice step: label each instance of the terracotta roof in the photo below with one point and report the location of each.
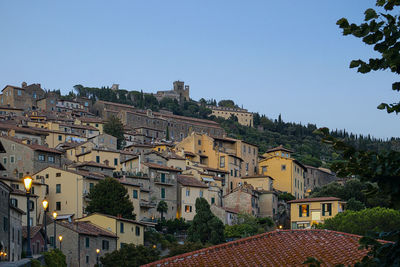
(277, 248)
(316, 199)
(279, 148)
(86, 228)
(256, 176)
(21, 129)
(93, 164)
(160, 167)
(187, 180)
(94, 120)
(117, 218)
(33, 146)
(34, 231)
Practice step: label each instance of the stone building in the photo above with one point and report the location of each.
(244, 117)
(22, 158)
(243, 199)
(180, 92)
(317, 177)
(16, 216)
(81, 240)
(22, 97)
(178, 126)
(5, 218)
(48, 102)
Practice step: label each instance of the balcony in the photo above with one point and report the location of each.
(147, 204)
(164, 181)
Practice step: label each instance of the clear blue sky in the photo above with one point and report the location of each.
(272, 57)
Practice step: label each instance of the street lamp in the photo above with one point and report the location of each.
(55, 217)
(28, 186)
(97, 256)
(45, 204)
(60, 238)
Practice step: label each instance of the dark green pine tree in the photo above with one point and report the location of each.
(110, 197)
(114, 127)
(206, 227)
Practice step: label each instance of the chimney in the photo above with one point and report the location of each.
(23, 84)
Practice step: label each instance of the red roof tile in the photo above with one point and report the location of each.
(187, 180)
(277, 248)
(160, 167)
(279, 148)
(86, 228)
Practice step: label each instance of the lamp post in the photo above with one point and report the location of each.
(60, 238)
(55, 217)
(28, 186)
(45, 204)
(97, 256)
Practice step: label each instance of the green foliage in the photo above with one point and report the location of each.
(312, 262)
(354, 189)
(162, 207)
(248, 225)
(110, 197)
(286, 196)
(363, 222)
(35, 263)
(114, 127)
(205, 227)
(381, 30)
(130, 256)
(55, 258)
(185, 248)
(173, 226)
(355, 205)
(227, 103)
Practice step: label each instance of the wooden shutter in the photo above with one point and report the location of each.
(308, 210)
(300, 213)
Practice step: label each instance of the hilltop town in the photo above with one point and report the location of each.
(164, 161)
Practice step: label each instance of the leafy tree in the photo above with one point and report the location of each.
(114, 127)
(162, 207)
(355, 205)
(227, 103)
(55, 258)
(110, 197)
(363, 222)
(130, 256)
(173, 226)
(205, 227)
(286, 196)
(248, 225)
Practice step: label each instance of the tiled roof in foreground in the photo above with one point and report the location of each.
(277, 248)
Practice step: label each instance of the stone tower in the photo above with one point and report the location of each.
(182, 90)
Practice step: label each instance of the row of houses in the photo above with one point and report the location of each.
(67, 153)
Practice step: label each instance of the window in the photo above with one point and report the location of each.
(19, 92)
(52, 241)
(41, 157)
(60, 138)
(34, 95)
(5, 160)
(31, 205)
(283, 167)
(12, 159)
(247, 166)
(58, 188)
(327, 209)
(12, 147)
(87, 259)
(58, 174)
(121, 227)
(58, 205)
(304, 210)
(105, 245)
(201, 193)
(135, 194)
(87, 243)
(137, 231)
(98, 159)
(162, 177)
(115, 162)
(187, 192)
(199, 142)
(91, 185)
(212, 200)
(5, 224)
(50, 159)
(14, 202)
(188, 208)
(162, 192)
(222, 162)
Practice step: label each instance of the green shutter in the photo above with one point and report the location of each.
(330, 209)
(308, 210)
(300, 213)
(323, 209)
